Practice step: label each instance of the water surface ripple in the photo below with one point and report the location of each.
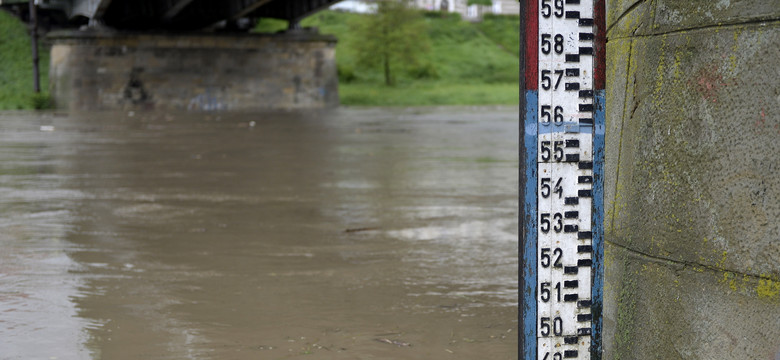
(353, 234)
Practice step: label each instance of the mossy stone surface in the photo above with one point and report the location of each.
(693, 180)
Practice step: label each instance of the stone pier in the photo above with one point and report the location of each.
(98, 70)
(693, 180)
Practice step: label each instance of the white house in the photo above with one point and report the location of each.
(353, 6)
(507, 7)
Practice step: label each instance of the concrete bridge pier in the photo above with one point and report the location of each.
(102, 70)
(692, 255)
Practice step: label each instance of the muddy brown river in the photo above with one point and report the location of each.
(353, 234)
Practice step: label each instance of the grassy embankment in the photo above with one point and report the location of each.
(16, 79)
(468, 64)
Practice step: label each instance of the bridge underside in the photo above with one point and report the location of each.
(158, 55)
(169, 15)
(199, 14)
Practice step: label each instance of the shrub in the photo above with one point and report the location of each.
(424, 71)
(40, 101)
(346, 74)
(440, 15)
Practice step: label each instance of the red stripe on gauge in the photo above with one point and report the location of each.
(600, 42)
(531, 44)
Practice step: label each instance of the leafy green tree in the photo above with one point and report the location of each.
(394, 36)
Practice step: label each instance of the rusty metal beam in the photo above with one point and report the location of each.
(100, 9)
(254, 5)
(292, 10)
(175, 10)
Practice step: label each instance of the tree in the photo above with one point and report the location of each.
(394, 35)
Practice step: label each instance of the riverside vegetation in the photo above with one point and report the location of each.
(16, 84)
(466, 63)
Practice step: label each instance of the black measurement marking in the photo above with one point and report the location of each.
(572, 124)
(585, 165)
(586, 93)
(584, 262)
(584, 249)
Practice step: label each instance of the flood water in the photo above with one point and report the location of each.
(354, 234)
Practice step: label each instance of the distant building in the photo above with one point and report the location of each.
(436, 5)
(505, 7)
(355, 6)
(473, 12)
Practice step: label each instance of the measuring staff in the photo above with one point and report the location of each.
(562, 144)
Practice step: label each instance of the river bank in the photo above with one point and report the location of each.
(468, 64)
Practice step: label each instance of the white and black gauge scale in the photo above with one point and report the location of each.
(562, 144)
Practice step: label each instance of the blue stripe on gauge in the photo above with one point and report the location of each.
(529, 221)
(597, 227)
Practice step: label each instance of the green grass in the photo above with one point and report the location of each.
(268, 25)
(503, 30)
(16, 79)
(428, 93)
(468, 64)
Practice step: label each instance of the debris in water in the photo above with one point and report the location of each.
(393, 342)
(361, 229)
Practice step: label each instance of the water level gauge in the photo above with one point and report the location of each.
(562, 271)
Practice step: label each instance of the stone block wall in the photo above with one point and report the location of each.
(199, 72)
(693, 180)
